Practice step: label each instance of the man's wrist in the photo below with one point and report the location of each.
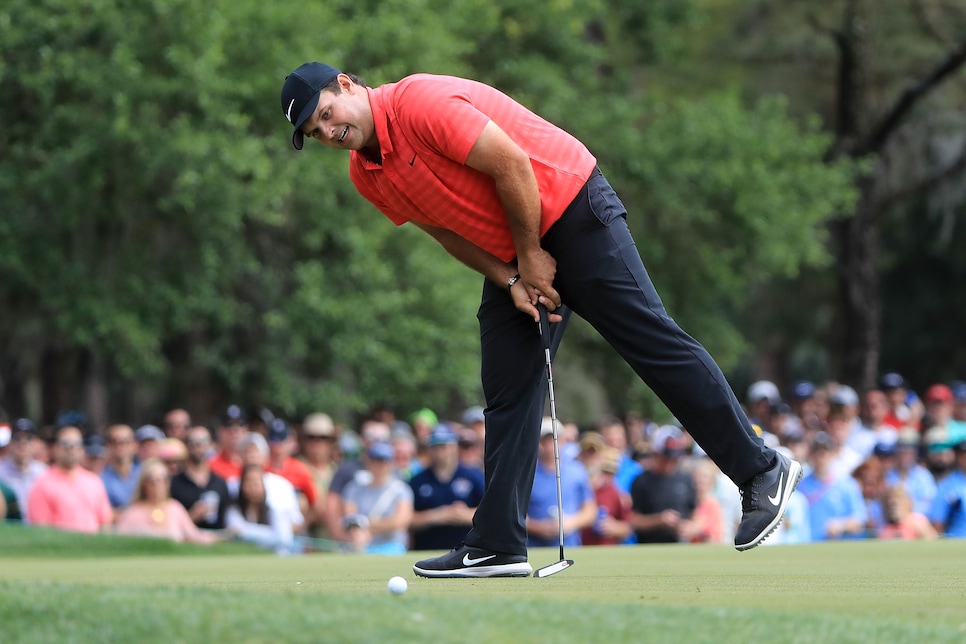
(513, 280)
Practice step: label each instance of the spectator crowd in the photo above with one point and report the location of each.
(884, 464)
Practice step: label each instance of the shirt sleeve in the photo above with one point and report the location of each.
(441, 116)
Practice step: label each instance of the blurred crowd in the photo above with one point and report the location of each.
(886, 463)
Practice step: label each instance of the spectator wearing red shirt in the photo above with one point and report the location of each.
(613, 506)
(522, 202)
(281, 447)
(227, 463)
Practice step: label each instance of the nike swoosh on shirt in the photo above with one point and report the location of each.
(413, 162)
(778, 495)
(468, 561)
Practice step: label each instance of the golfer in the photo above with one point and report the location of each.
(522, 202)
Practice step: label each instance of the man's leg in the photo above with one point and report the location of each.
(600, 275)
(515, 388)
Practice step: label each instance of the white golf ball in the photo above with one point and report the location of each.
(397, 585)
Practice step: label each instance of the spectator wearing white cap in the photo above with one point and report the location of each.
(579, 504)
(318, 453)
(762, 400)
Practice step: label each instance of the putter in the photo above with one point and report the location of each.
(564, 563)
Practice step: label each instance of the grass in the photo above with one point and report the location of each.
(69, 588)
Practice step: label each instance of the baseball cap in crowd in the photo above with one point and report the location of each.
(256, 439)
(24, 425)
(71, 418)
(4, 434)
(546, 427)
(891, 380)
(844, 395)
(668, 441)
(884, 450)
(764, 390)
(426, 416)
(442, 434)
(468, 438)
(234, 415)
(803, 390)
(907, 437)
(278, 431)
(958, 387)
(381, 451)
(592, 442)
(94, 447)
(473, 415)
(938, 393)
(823, 440)
(300, 95)
(318, 424)
(148, 433)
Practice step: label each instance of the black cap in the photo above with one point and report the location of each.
(278, 431)
(234, 414)
(300, 95)
(891, 380)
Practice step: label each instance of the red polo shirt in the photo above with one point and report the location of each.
(427, 126)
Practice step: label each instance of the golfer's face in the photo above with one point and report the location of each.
(343, 120)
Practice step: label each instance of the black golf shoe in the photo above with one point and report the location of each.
(467, 561)
(763, 501)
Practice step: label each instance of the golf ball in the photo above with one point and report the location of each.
(397, 585)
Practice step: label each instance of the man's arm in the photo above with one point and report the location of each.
(486, 264)
(497, 155)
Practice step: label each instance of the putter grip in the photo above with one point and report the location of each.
(544, 325)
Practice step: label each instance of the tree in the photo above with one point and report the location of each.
(883, 82)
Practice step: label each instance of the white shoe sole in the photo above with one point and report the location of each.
(794, 474)
(504, 570)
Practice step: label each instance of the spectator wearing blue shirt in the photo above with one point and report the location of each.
(579, 506)
(120, 474)
(445, 494)
(918, 481)
(836, 509)
(948, 511)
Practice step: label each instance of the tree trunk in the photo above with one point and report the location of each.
(857, 358)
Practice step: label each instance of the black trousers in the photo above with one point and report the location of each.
(600, 277)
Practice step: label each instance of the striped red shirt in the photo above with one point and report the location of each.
(427, 125)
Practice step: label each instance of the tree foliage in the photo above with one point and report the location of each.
(160, 241)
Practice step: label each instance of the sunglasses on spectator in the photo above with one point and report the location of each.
(197, 442)
(120, 441)
(70, 444)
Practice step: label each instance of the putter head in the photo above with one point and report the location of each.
(553, 568)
